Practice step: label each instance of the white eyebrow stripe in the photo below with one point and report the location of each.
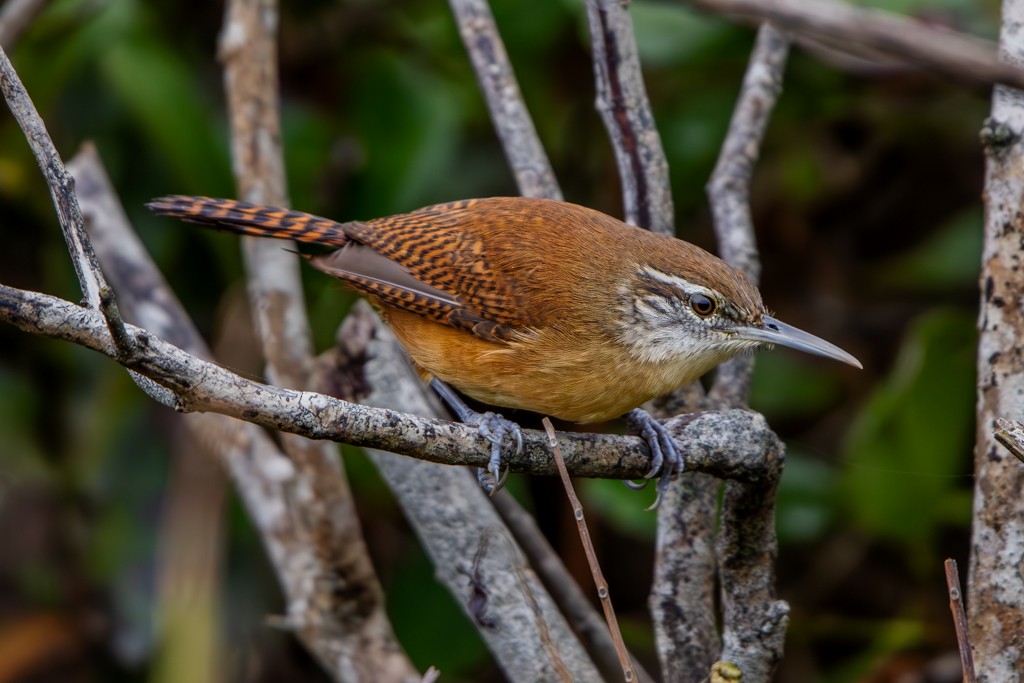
(682, 284)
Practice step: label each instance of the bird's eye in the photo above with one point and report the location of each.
(702, 305)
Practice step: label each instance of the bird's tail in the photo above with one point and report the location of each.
(251, 219)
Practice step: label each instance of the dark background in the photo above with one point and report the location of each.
(868, 212)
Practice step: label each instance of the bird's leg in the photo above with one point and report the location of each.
(491, 426)
(666, 457)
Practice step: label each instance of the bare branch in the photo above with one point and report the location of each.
(298, 505)
(59, 181)
(729, 444)
(682, 597)
(995, 584)
(473, 556)
(753, 620)
(624, 107)
(956, 607)
(729, 187)
(15, 17)
(870, 33)
(512, 121)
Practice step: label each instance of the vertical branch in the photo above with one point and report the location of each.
(334, 601)
(512, 121)
(15, 17)
(729, 187)
(624, 107)
(249, 54)
(995, 584)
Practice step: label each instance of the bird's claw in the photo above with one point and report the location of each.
(494, 428)
(666, 458)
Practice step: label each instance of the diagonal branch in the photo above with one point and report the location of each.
(294, 503)
(626, 111)
(512, 121)
(869, 33)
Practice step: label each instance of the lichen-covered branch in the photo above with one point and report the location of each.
(623, 104)
(995, 586)
(526, 157)
(298, 505)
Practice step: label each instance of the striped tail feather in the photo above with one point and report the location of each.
(251, 219)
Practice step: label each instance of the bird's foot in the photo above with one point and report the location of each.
(491, 426)
(666, 458)
(494, 428)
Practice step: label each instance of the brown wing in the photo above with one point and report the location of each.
(429, 262)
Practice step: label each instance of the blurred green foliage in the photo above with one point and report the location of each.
(866, 204)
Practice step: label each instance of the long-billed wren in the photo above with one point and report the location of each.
(535, 304)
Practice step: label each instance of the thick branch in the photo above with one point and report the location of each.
(294, 502)
(869, 33)
(995, 583)
(626, 111)
(512, 121)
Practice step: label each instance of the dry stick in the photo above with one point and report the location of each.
(626, 111)
(512, 121)
(473, 556)
(868, 32)
(58, 180)
(294, 509)
(588, 547)
(1010, 434)
(573, 603)
(15, 17)
(956, 607)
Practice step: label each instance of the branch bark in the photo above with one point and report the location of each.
(995, 584)
(870, 33)
(334, 602)
(512, 121)
(626, 112)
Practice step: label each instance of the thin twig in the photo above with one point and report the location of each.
(588, 547)
(956, 607)
(623, 104)
(512, 121)
(576, 607)
(58, 180)
(729, 187)
(868, 32)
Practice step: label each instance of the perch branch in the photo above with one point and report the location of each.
(870, 33)
(956, 607)
(293, 503)
(512, 121)
(729, 444)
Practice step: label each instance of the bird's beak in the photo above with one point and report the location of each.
(774, 332)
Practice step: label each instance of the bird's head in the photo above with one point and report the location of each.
(708, 314)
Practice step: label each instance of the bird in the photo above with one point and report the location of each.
(534, 304)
